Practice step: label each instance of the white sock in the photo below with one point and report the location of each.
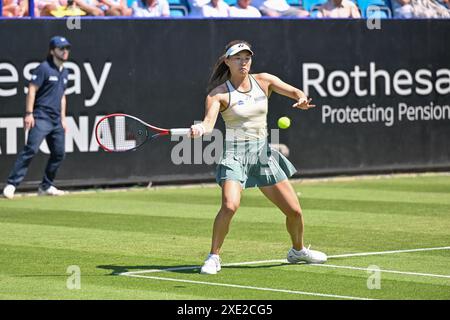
(300, 251)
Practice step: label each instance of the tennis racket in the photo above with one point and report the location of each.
(119, 132)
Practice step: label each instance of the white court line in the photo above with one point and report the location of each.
(381, 270)
(386, 252)
(251, 287)
(285, 261)
(135, 274)
(347, 255)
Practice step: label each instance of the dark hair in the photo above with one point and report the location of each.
(49, 55)
(221, 72)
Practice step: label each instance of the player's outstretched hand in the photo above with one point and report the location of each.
(304, 104)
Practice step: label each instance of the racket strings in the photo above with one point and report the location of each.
(121, 133)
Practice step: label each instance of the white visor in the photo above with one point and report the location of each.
(237, 48)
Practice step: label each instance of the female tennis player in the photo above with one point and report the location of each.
(247, 160)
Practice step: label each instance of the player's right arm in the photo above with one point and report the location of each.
(215, 99)
(31, 96)
(37, 79)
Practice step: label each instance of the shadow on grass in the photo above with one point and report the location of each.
(117, 270)
(185, 269)
(265, 266)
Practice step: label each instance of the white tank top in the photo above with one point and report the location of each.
(246, 115)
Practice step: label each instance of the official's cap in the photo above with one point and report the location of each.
(237, 48)
(59, 42)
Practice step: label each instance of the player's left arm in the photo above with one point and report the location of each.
(279, 86)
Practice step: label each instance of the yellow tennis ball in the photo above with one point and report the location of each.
(284, 122)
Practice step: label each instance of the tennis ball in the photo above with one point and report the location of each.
(284, 122)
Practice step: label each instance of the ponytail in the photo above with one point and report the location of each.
(220, 74)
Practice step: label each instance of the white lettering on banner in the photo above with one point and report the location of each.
(11, 125)
(334, 85)
(403, 78)
(77, 134)
(96, 85)
(357, 74)
(313, 82)
(120, 133)
(378, 74)
(386, 115)
(425, 82)
(11, 79)
(75, 76)
(94, 145)
(369, 114)
(339, 83)
(428, 112)
(443, 84)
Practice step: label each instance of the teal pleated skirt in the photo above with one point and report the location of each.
(252, 164)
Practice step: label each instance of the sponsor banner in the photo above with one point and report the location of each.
(381, 95)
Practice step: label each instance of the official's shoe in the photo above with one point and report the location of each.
(52, 191)
(211, 265)
(8, 191)
(306, 255)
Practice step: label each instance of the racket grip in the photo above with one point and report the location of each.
(180, 131)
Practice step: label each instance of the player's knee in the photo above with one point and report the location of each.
(58, 155)
(230, 207)
(30, 150)
(295, 213)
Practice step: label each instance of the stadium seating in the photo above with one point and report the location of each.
(310, 4)
(178, 8)
(294, 3)
(383, 11)
(231, 2)
(130, 3)
(178, 11)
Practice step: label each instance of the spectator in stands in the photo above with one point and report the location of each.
(419, 9)
(196, 7)
(46, 6)
(279, 8)
(91, 7)
(11, 8)
(24, 8)
(402, 9)
(151, 8)
(445, 3)
(115, 8)
(216, 9)
(339, 9)
(244, 9)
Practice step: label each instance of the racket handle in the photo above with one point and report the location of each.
(180, 131)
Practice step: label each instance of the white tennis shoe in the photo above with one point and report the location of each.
(306, 255)
(8, 191)
(52, 191)
(211, 265)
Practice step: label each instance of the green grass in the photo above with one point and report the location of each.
(106, 233)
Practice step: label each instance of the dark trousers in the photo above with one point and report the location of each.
(53, 132)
